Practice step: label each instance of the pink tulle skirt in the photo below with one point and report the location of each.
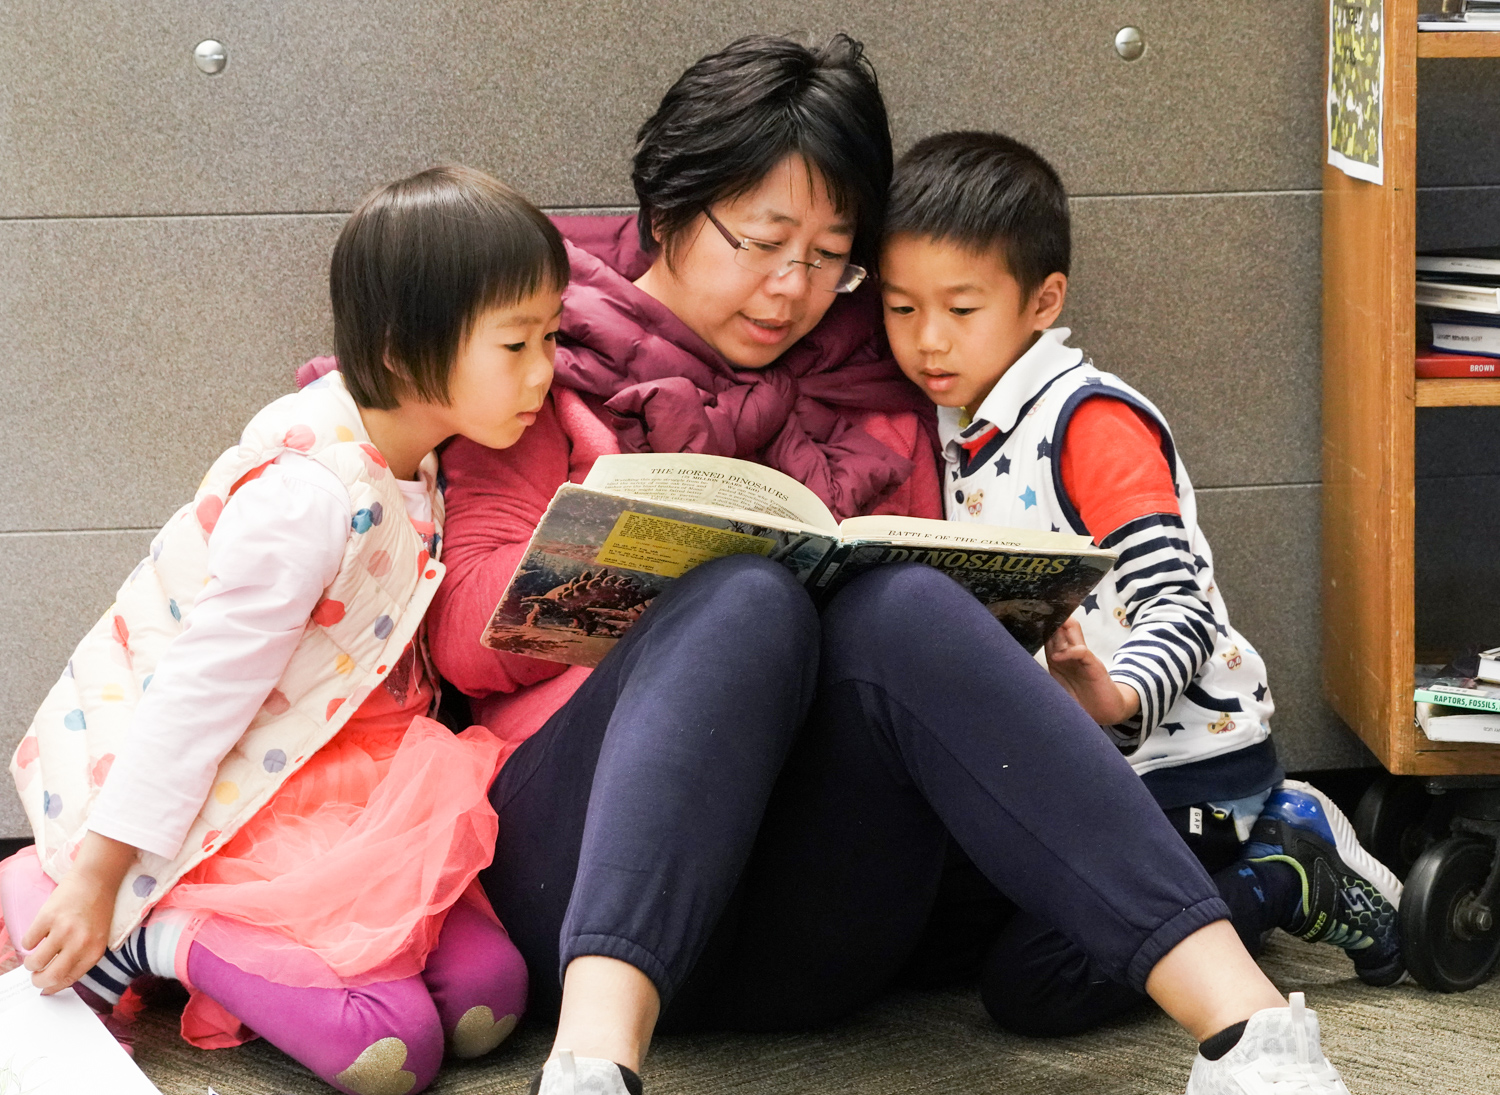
(355, 861)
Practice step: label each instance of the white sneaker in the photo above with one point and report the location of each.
(1278, 1054)
(569, 1075)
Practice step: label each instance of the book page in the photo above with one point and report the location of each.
(960, 535)
(690, 479)
(56, 1045)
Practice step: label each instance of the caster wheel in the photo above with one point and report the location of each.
(1449, 945)
(1397, 821)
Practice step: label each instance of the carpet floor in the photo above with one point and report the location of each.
(1401, 1041)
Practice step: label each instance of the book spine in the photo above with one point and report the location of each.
(1433, 264)
(1457, 365)
(1461, 338)
(1436, 294)
(1453, 699)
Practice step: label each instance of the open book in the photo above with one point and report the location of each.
(606, 547)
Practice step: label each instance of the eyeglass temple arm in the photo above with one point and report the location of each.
(735, 242)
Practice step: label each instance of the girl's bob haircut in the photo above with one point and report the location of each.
(417, 263)
(736, 114)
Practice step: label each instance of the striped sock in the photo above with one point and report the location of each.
(150, 949)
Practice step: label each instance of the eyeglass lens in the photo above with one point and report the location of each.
(837, 277)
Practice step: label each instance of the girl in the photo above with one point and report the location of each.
(235, 783)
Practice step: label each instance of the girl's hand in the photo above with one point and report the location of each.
(71, 931)
(1074, 666)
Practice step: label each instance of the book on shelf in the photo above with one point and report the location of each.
(1442, 723)
(1460, 332)
(1482, 262)
(1462, 15)
(1466, 692)
(1432, 293)
(606, 547)
(1437, 364)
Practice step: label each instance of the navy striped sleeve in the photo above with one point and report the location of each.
(1171, 620)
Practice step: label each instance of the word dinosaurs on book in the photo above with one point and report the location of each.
(607, 547)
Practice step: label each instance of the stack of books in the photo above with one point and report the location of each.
(1458, 312)
(1460, 708)
(1463, 15)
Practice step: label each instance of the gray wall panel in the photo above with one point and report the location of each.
(1266, 560)
(102, 111)
(52, 589)
(146, 343)
(1210, 305)
(159, 281)
(136, 349)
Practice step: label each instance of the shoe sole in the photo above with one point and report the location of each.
(1349, 848)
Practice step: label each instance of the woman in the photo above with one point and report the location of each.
(667, 837)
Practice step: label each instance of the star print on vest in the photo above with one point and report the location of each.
(979, 449)
(1158, 621)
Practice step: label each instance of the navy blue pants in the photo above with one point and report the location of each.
(752, 805)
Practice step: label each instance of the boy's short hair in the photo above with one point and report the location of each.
(984, 190)
(417, 263)
(734, 115)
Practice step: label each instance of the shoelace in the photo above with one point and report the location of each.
(1300, 1077)
(1296, 1079)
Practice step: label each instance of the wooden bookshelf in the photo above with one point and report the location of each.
(1458, 393)
(1463, 43)
(1370, 397)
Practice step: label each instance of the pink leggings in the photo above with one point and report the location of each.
(378, 1039)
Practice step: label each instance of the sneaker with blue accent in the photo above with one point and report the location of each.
(1349, 898)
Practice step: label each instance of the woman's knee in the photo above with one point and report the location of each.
(910, 593)
(891, 615)
(742, 622)
(753, 592)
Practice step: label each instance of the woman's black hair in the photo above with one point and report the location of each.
(981, 191)
(417, 263)
(734, 115)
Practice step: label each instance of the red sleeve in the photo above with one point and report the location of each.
(494, 501)
(921, 494)
(1113, 468)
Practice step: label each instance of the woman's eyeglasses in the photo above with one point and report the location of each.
(772, 260)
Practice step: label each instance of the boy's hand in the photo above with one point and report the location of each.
(71, 931)
(1074, 666)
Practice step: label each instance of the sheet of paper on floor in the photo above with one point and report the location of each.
(56, 1045)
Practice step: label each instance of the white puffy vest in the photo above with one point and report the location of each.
(1228, 705)
(357, 633)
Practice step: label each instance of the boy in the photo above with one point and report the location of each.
(974, 271)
